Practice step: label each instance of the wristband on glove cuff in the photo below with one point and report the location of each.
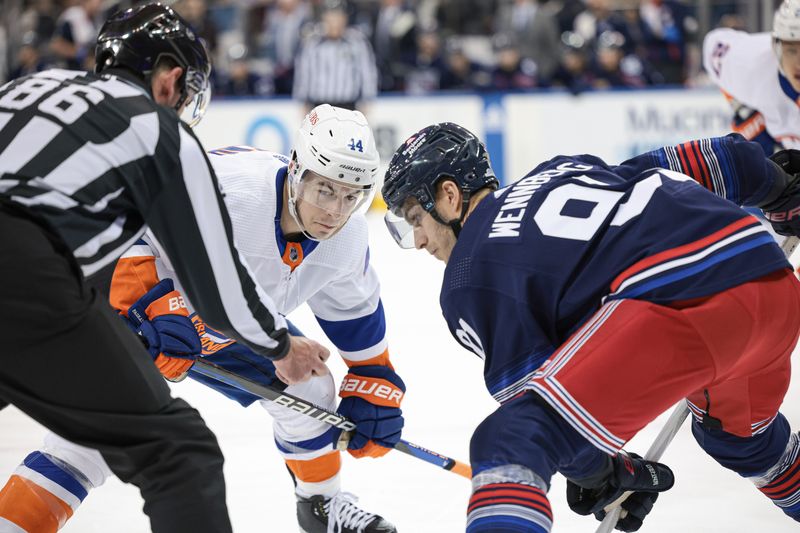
(373, 390)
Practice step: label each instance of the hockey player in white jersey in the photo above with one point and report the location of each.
(759, 74)
(295, 222)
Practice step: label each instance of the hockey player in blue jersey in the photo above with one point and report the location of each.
(599, 296)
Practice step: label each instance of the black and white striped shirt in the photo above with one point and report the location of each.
(99, 160)
(336, 70)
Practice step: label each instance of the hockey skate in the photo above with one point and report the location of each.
(339, 514)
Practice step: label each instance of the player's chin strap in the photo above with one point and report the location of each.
(455, 224)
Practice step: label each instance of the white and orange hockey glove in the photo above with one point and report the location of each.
(161, 319)
(371, 398)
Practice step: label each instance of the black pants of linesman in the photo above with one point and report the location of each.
(70, 363)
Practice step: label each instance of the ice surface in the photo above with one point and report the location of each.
(446, 399)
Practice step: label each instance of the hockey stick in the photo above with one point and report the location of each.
(669, 430)
(208, 369)
(654, 453)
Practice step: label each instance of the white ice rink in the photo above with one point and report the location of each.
(446, 399)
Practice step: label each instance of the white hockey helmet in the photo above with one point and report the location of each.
(786, 24)
(337, 145)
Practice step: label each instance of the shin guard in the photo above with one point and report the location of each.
(41, 495)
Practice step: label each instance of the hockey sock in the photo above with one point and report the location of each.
(41, 495)
(317, 476)
(782, 483)
(509, 508)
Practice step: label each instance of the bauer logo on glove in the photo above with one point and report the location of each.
(371, 397)
(375, 391)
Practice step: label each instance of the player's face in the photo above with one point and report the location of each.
(790, 62)
(325, 205)
(437, 239)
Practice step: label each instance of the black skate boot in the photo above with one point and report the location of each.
(339, 514)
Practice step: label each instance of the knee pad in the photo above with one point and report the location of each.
(300, 436)
(526, 431)
(748, 457)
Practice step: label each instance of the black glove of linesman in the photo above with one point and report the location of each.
(783, 212)
(626, 472)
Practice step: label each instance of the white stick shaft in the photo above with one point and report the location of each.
(655, 452)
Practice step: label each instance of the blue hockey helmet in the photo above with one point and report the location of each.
(139, 37)
(444, 151)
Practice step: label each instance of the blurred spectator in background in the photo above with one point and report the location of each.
(240, 79)
(196, 14)
(40, 18)
(512, 72)
(336, 66)
(466, 17)
(393, 39)
(424, 69)
(460, 72)
(75, 35)
(573, 73)
(535, 31)
(28, 60)
(598, 18)
(733, 21)
(614, 68)
(566, 11)
(281, 40)
(666, 23)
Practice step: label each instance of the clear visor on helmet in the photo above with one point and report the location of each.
(198, 95)
(400, 230)
(337, 198)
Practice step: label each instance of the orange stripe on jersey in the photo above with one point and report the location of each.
(382, 360)
(32, 507)
(293, 255)
(133, 277)
(317, 469)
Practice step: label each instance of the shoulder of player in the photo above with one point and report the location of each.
(744, 52)
(248, 172)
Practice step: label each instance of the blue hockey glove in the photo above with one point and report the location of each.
(371, 398)
(783, 212)
(161, 319)
(626, 472)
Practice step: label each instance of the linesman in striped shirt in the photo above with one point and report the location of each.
(336, 66)
(87, 163)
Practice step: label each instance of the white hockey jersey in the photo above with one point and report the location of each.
(333, 277)
(745, 67)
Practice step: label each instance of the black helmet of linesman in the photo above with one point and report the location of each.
(140, 37)
(444, 151)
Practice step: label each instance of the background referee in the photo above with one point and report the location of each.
(335, 66)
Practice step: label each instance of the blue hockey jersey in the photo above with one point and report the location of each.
(535, 259)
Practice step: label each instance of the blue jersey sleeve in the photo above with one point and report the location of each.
(730, 166)
(498, 324)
